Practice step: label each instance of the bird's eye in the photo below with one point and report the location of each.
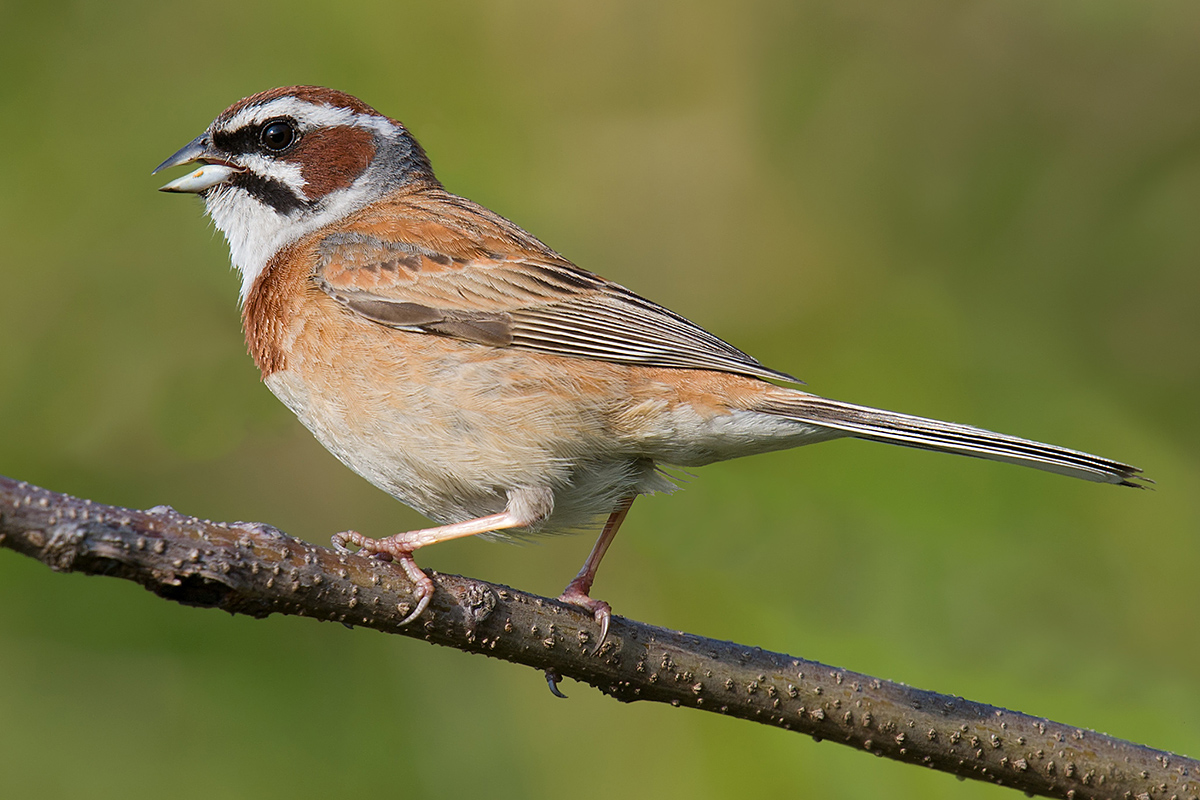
(278, 135)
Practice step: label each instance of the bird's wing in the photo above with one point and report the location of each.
(432, 262)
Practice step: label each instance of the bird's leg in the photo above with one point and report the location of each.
(525, 507)
(577, 590)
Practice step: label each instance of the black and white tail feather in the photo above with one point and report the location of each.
(877, 425)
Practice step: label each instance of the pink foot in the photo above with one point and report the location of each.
(391, 549)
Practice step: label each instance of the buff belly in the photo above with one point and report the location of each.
(452, 438)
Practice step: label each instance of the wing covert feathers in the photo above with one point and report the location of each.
(435, 263)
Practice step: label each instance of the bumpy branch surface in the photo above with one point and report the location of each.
(254, 569)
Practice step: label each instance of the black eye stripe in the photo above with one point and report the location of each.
(271, 192)
(236, 143)
(246, 139)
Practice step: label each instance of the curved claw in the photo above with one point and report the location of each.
(552, 679)
(600, 610)
(421, 605)
(603, 615)
(422, 585)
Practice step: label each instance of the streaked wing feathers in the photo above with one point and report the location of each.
(486, 281)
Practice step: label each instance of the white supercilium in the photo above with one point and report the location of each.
(309, 116)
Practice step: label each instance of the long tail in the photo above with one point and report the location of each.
(878, 425)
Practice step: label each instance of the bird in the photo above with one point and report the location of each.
(467, 369)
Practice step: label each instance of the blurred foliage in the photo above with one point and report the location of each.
(983, 211)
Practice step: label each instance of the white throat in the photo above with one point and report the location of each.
(256, 231)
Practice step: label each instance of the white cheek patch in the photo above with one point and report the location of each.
(285, 172)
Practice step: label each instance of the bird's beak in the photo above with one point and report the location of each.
(210, 173)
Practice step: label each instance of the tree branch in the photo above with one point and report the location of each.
(250, 568)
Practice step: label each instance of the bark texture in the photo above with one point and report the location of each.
(251, 568)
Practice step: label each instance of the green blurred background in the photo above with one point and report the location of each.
(981, 211)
